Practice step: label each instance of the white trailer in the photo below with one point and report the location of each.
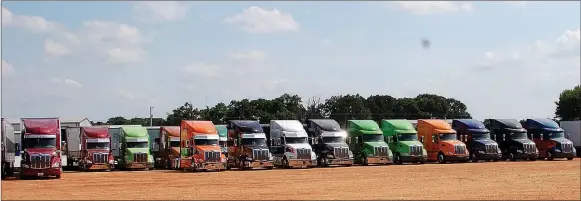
(9, 149)
(72, 145)
(289, 144)
(573, 132)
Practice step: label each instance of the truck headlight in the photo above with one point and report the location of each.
(111, 161)
(557, 150)
(248, 158)
(89, 161)
(25, 166)
(482, 152)
(55, 165)
(498, 150)
(270, 156)
(350, 154)
(519, 151)
(53, 153)
(223, 160)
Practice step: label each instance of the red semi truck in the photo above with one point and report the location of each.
(41, 147)
(96, 149)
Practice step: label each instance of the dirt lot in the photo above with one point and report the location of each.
(540, 180)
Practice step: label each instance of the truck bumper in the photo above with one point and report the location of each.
(342, 161)
(300, 163)
(210, 166)
(99, 166)
(258, 164)
(138, 165)
(489, 156)
(563, 155)
(379, 160)
(417, 158)
(526, 155)
(456, 157)
(41, 172)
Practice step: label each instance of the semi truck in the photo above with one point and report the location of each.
(71, 141)
(477, 138)
(289, 145)
(96, 153)
(134, 150)
(41, 147)
(199, 142)
(550, 139)
(223, 133)
(512, 139)
(367, 143)
(402, 139)
(247, 146)
(329, 142)
(573, 129)
(9, 149)
(442, 144)
(168, 153)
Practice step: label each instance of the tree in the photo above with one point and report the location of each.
(382, 107)
(314, 108)
(568, 106)
(186, 112)
(343, 108)
(117, 121)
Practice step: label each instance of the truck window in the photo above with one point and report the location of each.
(253, 141)
(97, 145)
(39, 143)
(553, 135)
(137, 145)
(333, 140)
(205, 142)
(407, 137)
(296, 140)
(519, 135)
(174, 143)
(223, 143)
(434, 138)
(480, 136)
(448, 136)
(372, 138)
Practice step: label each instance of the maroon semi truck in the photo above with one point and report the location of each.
(96, 149)
(41, 147)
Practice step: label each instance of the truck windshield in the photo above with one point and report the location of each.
(448, 136)
(481, 136)
(253, 141)
(296, 140)
(333, 140)
(521, 135)
(407, 137)
(39, 143)
(373, 138)
(136, 144)
(224, 143)
(556, 135)
(205, 142)
(174, 143)
(97, 145)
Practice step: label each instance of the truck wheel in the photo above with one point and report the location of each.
(397, 159)
(269, 168)
(549, 156)
(58, 176)
(473, 157)
(569, 158)
(285, 163)
(511, 157)
(441, 158)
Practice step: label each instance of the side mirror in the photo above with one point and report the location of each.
(422, 139)
(235, 142)
(356, 139)
(17, 149)
(503, 137)
(568, 136)
(542, 136)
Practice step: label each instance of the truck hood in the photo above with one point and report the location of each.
(485, 141)
(452, 142)
(209, 148)
(175, 151)
(137, 150)
(92, 151)
(376, 144)
(255, 147)
(524, 141)
(561, 140)
(338, 145)
(300, 146)
(410, 143)
(40, 150)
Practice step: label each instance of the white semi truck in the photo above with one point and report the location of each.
(289, 145)
(573, 132)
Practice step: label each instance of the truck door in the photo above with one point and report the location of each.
(433, 147)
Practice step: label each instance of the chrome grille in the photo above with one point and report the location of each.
(304, 154)
(140, 157)
(529, 148)
(416, 150)
(260, 154)
(459, 149)
(380, 151)
(341, 152)
(40, 161)
(100, 158)
(491, 148)
(567, 147)
(212, 156)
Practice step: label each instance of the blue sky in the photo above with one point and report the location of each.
(103, 59)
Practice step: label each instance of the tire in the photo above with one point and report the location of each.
(397, 159)
(473, 157)
(511, 157)
(422, 162)
(495, 160)
(285, 163)
(58, 176)
(269, 168)
(549, 156)
(570, 158)
(441, 158)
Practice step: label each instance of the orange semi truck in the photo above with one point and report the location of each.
(169, 147)
(440, 141)
(200, 149)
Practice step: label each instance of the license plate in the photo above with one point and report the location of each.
(40, 174)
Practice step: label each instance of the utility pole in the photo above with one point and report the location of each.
(150, 115)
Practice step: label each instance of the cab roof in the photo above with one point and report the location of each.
(41, 125)
(134, 131)
(435, 123)
(326, 124)
(96, 131)
(546, 124)
(205, 127)
(508, 123)
(247, 126)
(366, 125)
(171, 130)
(222, 130)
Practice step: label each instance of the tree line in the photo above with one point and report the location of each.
(340, 108)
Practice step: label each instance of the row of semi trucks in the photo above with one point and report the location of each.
(44, 148)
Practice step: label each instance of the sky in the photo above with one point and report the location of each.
(104, 59)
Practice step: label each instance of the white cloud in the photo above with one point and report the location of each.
(127, 55)
(7, 69)
(66, 82)
(54, 48)
(203, 69)
(32, 23)
(431, 7)
(252, 55)
(159, 11)
(260, 21)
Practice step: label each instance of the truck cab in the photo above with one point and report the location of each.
(96, 153)
(402, 139)
(289, 145)
(441, 141)
(550, 139)
(200, 142)
(223, 133)
(329, 142)
(135, 148)
(247, 146)
(475, 135)
(512, 139)
(367, 143)
(41, 146)
(168, 153)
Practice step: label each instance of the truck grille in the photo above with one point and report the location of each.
(529, 148)
(416, 150)
(491, 148)
(140, 157)
(459, 149)
(381, 151)
(304, 154)
(40, 161)
(567, 147)
(341, 152)
(100, 158)
(260, 155)
(212, 156)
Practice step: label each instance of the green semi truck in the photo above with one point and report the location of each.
(402, 139)
(135, 152)
(366, 142)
